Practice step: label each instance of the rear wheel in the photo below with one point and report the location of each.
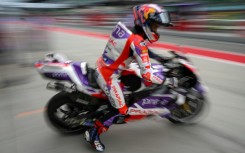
(63, 114)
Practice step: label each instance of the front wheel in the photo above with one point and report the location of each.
(191, 112)
(62, 114)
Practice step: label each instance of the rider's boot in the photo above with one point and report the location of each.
(93, 136)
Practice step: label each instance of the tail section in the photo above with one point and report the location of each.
(58, 68)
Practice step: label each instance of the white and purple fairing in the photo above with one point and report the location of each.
(58, 67)
(74, 72)
(77, 73)
(154, 104)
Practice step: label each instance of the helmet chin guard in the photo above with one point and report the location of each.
(151, 36)
(155, 36)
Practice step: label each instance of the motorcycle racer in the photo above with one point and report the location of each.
(123, 47)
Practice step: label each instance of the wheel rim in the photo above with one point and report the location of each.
(189, 112)
(66, 116)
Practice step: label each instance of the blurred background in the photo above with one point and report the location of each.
(209, 24)
(220, 17)
(20, 42)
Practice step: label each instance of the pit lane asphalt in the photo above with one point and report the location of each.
(221, 131)
(231, 42)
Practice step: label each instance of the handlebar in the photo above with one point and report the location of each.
(172, 62)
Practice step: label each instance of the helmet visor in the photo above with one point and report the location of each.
(161, 18)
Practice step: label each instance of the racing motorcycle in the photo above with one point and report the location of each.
(80, 101)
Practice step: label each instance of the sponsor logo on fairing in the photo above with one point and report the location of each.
(157, 79)
(59, 75)
(134, 111)
(153, 102)
(150, 101)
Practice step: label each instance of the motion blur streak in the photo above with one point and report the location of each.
(204, 52)
(221, 131)
(75, 32)
(240, 58)
(215, 27)
(23, 114)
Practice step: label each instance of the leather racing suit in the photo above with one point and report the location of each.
(122, 48)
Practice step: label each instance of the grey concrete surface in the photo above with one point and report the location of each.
(218, 41)
(234, 37)
(215, 36)
(223, 130)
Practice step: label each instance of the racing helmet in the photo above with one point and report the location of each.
(149, 17)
